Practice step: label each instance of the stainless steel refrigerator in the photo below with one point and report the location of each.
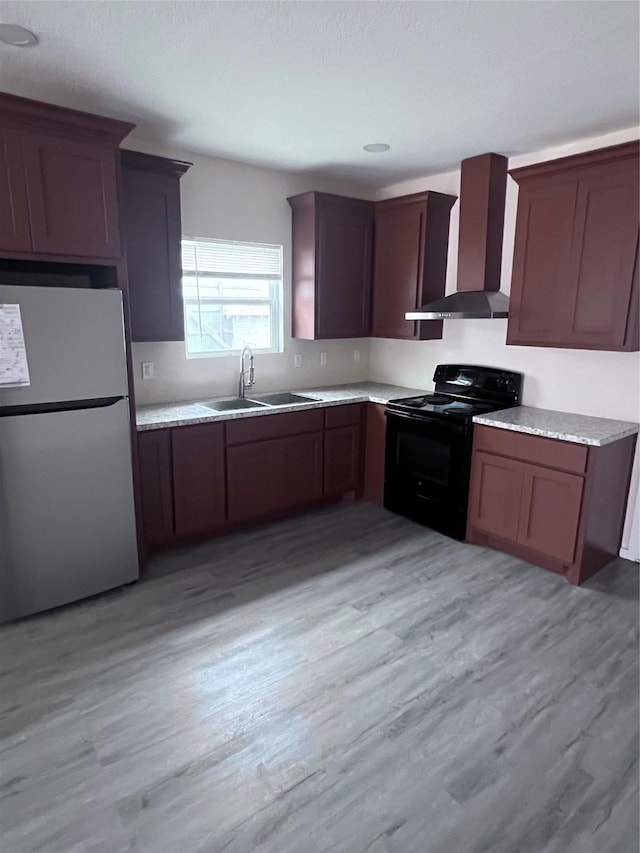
(67, 521)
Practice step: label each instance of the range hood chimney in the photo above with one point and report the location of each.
(483, 186)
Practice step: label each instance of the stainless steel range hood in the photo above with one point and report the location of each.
(465, 305)
(483, 184)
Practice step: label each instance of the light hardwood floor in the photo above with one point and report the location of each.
(346, 681)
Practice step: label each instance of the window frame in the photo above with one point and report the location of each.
(275, 300)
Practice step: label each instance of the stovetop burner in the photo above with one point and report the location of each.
(437, 399)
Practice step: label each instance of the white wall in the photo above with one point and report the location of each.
(604, 384)
(234, 201)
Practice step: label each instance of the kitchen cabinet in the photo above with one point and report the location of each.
(152, 233)
(554, 503)
(156, 487)
(198, 480)
(332, 250)
(410, 263)
(575, 268)
(374, 457)
(274, 464)
(342, 449)
(199, 489)
(15, 229)
(59, 181)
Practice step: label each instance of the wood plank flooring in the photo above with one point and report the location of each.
(346, 681)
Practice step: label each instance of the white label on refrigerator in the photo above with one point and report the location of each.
(14, 369)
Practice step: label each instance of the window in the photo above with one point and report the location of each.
(232, 297)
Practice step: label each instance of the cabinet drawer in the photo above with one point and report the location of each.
(563, 455)
(244, 430)
(339, 416)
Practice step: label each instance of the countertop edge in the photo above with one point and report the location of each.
(558, 435)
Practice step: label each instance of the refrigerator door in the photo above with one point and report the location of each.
(74, 339)
(67, 523)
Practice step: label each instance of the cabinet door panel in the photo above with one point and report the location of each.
(301, 470)
(270, 476)
(15, 232)
(252, 480)
(397, 269)
(154, 466)
(341, 460)
(375, 453)
(343, 271)
(198, 478)
(550, 512)
(153, 231)
(598, 293)
(72, 191)
(494, 496)
(541, 263)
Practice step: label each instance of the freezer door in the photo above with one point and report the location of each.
(75, 344)
(67, 524)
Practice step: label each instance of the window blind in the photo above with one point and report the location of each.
(229, 258)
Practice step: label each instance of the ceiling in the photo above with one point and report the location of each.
(304, 85)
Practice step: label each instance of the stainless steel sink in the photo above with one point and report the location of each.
(232, 405)
(284, 398)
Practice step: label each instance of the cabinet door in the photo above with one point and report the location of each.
(73, 198)
(199, 493)
(252, 480)
(152, 232)
(344, 242)
(598, 293)
(15, 232)
(376, 432)
(550, 512)
(270, 476)
(494, 495)
(542, 260)
(341, 460)
(299, 470)
(154, 468)
(399, 250)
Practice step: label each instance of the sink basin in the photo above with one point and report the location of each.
(285, 398)
(232, 405)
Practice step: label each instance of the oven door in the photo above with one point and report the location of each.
(427, 468)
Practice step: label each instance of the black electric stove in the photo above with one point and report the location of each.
(429, 443)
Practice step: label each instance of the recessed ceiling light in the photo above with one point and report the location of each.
(17, 36)
(376, 147)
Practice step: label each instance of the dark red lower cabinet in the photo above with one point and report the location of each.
(341, 460)
(199, 492)
(156, 488)
(523, 502)
(269, 477)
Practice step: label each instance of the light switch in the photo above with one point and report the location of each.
(147, 370)
(297, 360)
(356, 356)
(323, 359)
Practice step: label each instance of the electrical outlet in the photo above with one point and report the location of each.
(147, 370)
(297, 360)
(323, 359)
(356, 356)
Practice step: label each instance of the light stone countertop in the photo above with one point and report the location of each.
(166, 415)
(579, 429)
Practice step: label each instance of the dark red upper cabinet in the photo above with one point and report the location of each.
(332, 249)
(575, 267)
(15, 230)
(59, 169)
(152, 233)
(410, 263)
(73, 197)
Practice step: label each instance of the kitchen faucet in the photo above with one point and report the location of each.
(242, 383)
